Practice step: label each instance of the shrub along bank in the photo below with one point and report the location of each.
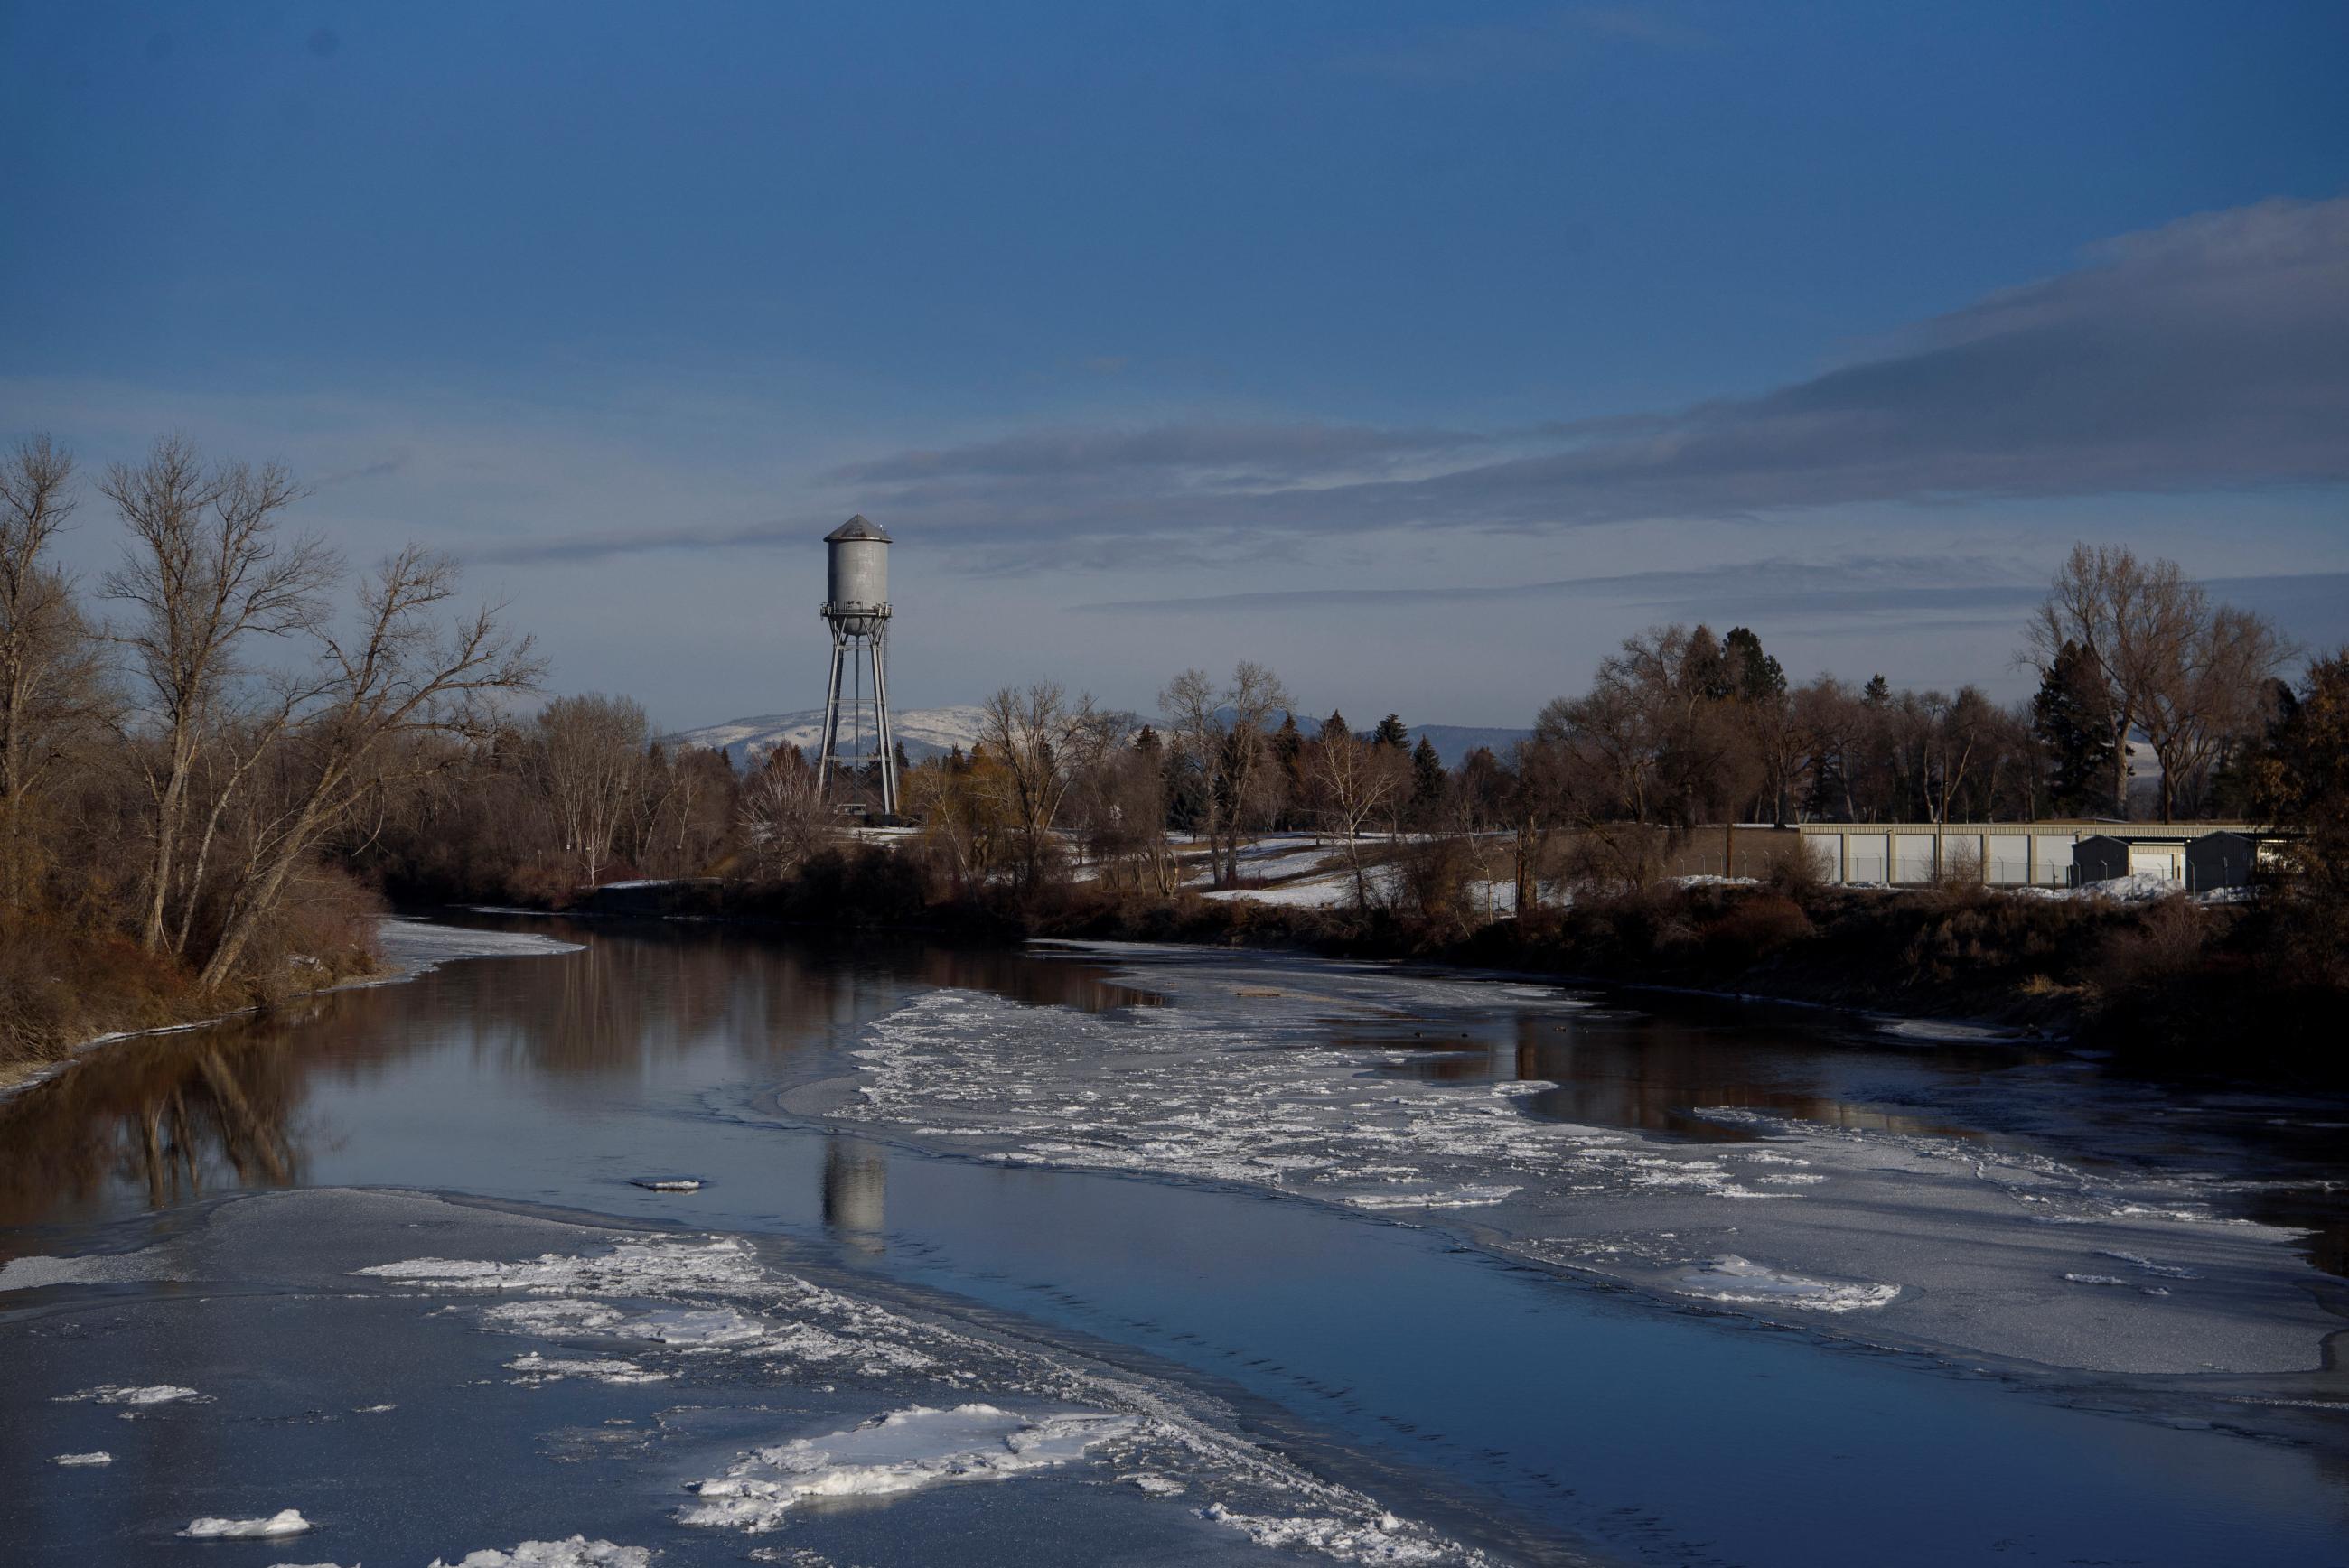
(2165, 982)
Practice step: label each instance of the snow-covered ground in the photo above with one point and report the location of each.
(1944, 1241)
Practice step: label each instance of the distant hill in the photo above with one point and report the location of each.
(934, 731)
(923, 731)
(1454, 742)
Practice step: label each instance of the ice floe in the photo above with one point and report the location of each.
(284, 1522)
(576, 1552)
(96, 1268)
(538, 1369)
(117, 1393)
(416, 946)
(1733, 1280)
(1376, 1541)
(97, 1457)
(898, 1452)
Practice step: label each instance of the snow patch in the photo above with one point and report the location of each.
(101, 1268)
(899, 1452)
(1381, 1540)
(1736, 1281)
(417, 946)
(286, 1521)
(575, 1552)
(117, 1394)
(538, 1369)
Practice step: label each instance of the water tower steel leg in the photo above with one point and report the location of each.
(888, 735)
(831, 719)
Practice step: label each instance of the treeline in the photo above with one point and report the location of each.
(191, 746)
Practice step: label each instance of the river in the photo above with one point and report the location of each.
(687, 1243)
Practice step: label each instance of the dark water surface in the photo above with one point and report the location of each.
(1515, 1407)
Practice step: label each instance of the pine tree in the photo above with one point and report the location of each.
(1753, 674)
(2301, 781)
(1705, 668)
(1391, 732)
(1428, 779)
(1878, 692)
(1335, 727)
(1146, 741)
(2067, 718)
(1289, 767)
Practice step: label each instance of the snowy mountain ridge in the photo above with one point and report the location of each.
(934, 731)
(923, 731)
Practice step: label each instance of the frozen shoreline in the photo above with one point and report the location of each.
(410, 946)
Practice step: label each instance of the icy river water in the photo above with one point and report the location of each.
(619, 1244)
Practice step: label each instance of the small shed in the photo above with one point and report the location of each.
(2229, 859)
(2099, 857)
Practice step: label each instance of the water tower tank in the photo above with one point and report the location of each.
(859, 598)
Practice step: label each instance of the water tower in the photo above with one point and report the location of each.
(857, 610)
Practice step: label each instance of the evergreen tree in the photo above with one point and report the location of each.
(1428, 779)
(1391, 732)
(1878, 692)
(1146, 741)
(1705, 668)
(2300, 780)
(1753, 674)
(2067, 719)
(1335, 727)
(1289, 767)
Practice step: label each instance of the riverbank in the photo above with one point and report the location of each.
(2158, 981)
(399, 949)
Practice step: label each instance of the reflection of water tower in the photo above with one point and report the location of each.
(858, 612)
(855, 1194)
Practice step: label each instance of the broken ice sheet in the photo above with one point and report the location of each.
(901, 1452)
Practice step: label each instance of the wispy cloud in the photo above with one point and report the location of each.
(1892, 582)
(2208, 355)
(1233, 451)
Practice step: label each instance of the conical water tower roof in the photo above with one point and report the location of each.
(857, 527)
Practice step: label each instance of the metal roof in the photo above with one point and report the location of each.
(857, 527)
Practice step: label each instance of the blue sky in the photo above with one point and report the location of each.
(1420, 351)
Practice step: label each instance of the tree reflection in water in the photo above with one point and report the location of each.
(175, 1116)
(167, 1119)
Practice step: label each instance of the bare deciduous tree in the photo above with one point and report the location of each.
(2198, 672)
(2092, 603)
(1226, 734)
(1042, 742)
(402, 673)
(591, 755)
(1357, 780)
(207, 569)
(785, 818)
(50, 668)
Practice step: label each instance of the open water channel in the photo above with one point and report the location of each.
(680, 1243)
